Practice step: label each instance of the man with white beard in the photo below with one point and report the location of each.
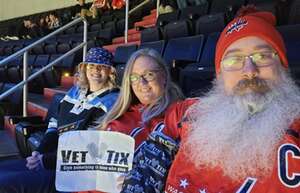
(243, 136)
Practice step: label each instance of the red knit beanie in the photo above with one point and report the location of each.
(259, 24)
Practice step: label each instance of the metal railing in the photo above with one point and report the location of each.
(140, 6)
(25, 50)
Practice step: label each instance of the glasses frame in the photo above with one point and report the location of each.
(250, 56)
(140, 77)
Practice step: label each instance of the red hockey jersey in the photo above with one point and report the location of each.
(185, 178)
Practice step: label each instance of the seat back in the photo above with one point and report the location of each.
(123, 53)
(186, 48)
(210, 23)
(159, 46)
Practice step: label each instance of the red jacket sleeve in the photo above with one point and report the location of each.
(174, 115)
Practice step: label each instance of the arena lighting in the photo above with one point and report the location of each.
(66, 74)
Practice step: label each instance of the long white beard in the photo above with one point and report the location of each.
(226, 135)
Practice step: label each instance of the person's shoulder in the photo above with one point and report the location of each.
(183, 104)
(296, 125)
(73, 91)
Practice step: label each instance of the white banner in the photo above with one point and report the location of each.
(93, 160)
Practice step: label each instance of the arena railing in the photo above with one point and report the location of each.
(24, 52)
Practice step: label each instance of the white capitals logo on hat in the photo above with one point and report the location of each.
(237, 26)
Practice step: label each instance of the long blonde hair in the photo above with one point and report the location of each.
(82, 81)
(126, 96)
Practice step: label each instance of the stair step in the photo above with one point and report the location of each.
(153, 15)
(35, 109)
(131, 38)
(112, 48)
(67, 82)
(50, 92)
(132, 31)
(145, 23)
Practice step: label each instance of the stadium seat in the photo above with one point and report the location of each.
(14, 70)
(210, 23)
(194, 12)
(265, 5)
(26, 126)
(63, 48)
(291, 38)
(123, 53)
(196, 79)
(177, 29)
(39, 83)
(120, 71)
(159, 46)
(182, 51)
(3, 71)
(151, 34)
(294, 16)
(218, 6)
(187, 49)
(154, 33)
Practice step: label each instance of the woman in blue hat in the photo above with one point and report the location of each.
(90, 98)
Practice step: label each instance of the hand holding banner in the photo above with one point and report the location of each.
(93, 160)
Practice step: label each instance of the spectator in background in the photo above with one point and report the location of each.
(165, 7)
(99, 6)
(43, 25)
(117, 4)
(29, 29)
(53, 22)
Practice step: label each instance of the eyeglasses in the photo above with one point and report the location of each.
(96, 67)
(148, 76)
(260, 59)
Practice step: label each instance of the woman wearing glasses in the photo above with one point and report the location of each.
(146, 95)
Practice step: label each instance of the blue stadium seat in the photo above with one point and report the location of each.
(181, 52)
(218, 6)
(177, 29)
(210, 23)
(186, 48)
(14, 70)
(123, 53)
(154, 33)
(194, 12)
(3, 71)
(196, 79)
(294, 15)
(159, 46)
(291, 38)
(151, 34)
(120, 68)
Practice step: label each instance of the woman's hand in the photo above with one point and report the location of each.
(34, 162)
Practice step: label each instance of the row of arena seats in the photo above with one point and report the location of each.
(197, 20)
(11, 104)
(191, 59)
(12, 72)
(185, 54)
(56, 45)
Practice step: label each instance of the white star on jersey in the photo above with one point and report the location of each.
(202, 191)
(184, 183)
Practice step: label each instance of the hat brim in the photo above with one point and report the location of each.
(96, 64)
